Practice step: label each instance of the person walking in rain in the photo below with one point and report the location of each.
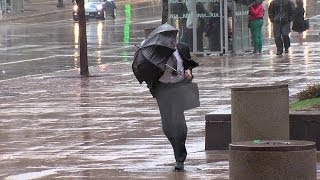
(298, 20)
(194, 8)
(281, 14)
(256, 12)
(166, 67)
(169, 99)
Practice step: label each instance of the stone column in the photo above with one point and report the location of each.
(260, 112)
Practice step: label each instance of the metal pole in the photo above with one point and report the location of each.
(13, 5)
(10, 5)
(226, 46)
(1, 6)
(233, 26)
(164, 11)
(221, 27)
(195, 26)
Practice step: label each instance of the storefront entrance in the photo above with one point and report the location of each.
(206, 30)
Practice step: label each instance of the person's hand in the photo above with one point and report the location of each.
(188, 74)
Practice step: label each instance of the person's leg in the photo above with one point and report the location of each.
(214, 41)
(180, 151)
(200, 40)
(175, 129)
(252, 31)
(254, 27)
(178, 145)
(187, 37)
(278, 38)
(190, 39)
(260, 38)
(300, 38)
(285, 35)
(173, 122)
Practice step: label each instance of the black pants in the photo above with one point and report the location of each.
(281, 36)
(172, 118)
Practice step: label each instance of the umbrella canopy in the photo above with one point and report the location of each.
(151, 58)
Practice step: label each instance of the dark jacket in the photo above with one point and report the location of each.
(188, 63)
(281, 11)
(184, 52)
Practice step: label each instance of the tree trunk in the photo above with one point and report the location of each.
(165, 11)
(84, 70)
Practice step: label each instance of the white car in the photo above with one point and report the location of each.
(100, 9)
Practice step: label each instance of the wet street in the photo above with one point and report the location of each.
(50, 43)
(55, 124)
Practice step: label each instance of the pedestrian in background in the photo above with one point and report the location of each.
(256, 13)
(193, 9)
(281, 14)
(298, 20)
(212, 27)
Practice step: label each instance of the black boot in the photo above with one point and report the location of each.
(179, 166)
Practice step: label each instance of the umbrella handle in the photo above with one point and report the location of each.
(137, 46)
(179, 72)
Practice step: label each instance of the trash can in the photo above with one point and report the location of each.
(272, 160)
(260, 112)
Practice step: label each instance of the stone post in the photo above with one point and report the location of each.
(252, 160)
(260, 112)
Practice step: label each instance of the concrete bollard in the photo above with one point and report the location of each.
(260, 112)
(273, 160)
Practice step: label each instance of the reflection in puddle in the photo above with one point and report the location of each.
(76, 44)
(33, 175)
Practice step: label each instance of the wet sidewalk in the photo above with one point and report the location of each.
(35, 8)
(107, 126)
